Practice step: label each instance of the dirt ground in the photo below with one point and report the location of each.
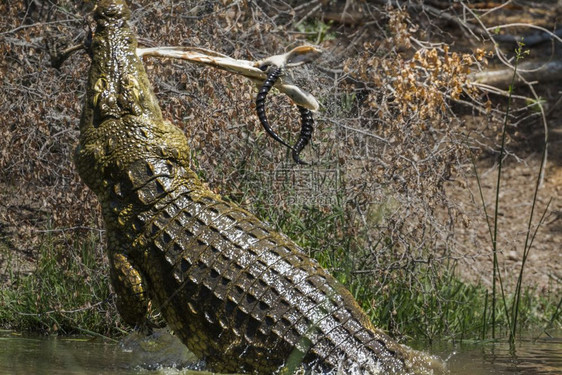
(543, 267)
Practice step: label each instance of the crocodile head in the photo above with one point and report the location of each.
(121, 121)
(115, 90)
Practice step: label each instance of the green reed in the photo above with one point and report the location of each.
(512, 314)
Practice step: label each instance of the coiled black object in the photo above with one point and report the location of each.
(307, 126)
(272, 77)
(307, 122)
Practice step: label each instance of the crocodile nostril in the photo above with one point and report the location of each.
(112, 9)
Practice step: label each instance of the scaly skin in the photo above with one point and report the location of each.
(239, 295)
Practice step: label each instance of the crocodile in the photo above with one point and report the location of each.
(241, 296)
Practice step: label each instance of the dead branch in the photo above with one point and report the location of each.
(529, 71)
(529, 40)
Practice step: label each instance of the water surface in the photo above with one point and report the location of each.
(33, 354)
(29, 354)
(530, 356)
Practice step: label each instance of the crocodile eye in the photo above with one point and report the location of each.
(99, 87)
(132, 85)
(131, 82)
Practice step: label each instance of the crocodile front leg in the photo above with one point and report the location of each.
(128, 284)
